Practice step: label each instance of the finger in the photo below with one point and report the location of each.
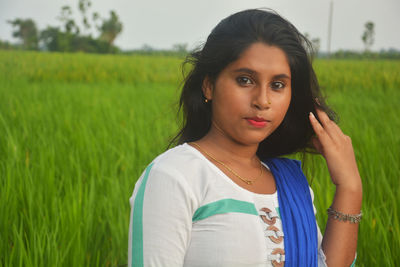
(336, 129)
(323, 117)
(330, 126)
(319, 130)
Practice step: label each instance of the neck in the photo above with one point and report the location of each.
(224, 147)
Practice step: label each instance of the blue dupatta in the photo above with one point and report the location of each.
(296, 211)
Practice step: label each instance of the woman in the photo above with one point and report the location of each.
(222, 197)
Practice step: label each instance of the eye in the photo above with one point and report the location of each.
(243, 80)
(277, 85)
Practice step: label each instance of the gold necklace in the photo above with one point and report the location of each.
(249, 182)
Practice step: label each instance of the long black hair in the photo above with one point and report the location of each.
(227, 41)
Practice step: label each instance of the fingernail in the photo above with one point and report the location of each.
(312, 115)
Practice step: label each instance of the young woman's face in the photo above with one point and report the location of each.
(251, 95)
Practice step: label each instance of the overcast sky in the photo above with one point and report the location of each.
(163, 23)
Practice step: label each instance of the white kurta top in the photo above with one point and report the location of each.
(187, 212)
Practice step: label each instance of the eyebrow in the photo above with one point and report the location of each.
(251, 72)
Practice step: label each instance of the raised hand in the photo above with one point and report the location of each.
(340, 239)
(337, 149)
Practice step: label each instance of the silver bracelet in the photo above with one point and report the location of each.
(353, 218)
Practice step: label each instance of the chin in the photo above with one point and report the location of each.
(252, 140)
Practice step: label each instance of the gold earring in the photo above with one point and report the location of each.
(206, 100)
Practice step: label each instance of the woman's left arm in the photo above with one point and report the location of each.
(340, 239)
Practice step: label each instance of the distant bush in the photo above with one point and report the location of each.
(8, 46)
(55, 40)
(351, 54)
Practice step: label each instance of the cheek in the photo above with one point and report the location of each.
(230, 99)
(284, 103)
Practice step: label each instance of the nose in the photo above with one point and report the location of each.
(260, 98)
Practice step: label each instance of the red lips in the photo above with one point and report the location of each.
(257, 122)
(257, 119)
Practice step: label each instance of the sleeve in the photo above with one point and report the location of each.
(162, 207)
(321, 255)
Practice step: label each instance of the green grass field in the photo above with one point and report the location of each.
(77, 130)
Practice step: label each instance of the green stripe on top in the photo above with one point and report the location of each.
(278, 211)
(354, 262)
(224, 206)
(137, 222)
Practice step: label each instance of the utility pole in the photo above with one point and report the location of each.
(330, 27)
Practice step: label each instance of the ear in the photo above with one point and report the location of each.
(207, 88)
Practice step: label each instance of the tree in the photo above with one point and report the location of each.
(84, 5)
(68, 37)
(368, 35)
(66, 18)
(316, 43)
(96, 20)
(55, 40)
(110, 28)
(26, 30)
(180, 48)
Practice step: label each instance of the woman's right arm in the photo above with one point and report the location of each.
(340, 238)
(161, 218)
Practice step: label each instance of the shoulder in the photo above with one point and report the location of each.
(182, 164)
(172, 173)
(182, 158)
